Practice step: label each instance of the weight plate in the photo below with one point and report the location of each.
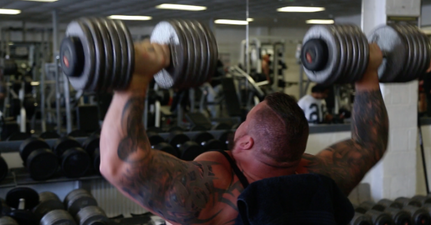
(98, 50)
(351, 34)
(421, 56)
(42, 164)
(116, 53)
(78, 199)
(130, 63)
(4, 169)
(82, 81)
(106, 41)
(190, 150)
(48, 202)
(199, 62)
(328, 75)
(407, 71)
(75, 162)
(29, 145)
(366, 50)
(91, 144)
(212, 54)
(124, 56)
(415, 61)
(194, 78)
(394, 45)
(57, 217)
(63, 144)
(177, 138)
(206, 52)
(202, 137)
(187, 79)
(347, 61)
(214, 144)
(30, 196)
(203, 54)
(166, 33)
(92, 215)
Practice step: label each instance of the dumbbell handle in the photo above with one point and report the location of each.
(144, 50)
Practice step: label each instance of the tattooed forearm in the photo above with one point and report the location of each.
(347, 162)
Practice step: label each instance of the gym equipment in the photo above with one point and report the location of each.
(340, 53)
(92, 215)
(22, 200)
(422, 199)
(407, 201)
(419, 216)
(38, 158)
(4, 169)
(208, 142)
(154, 138)
(227, 138)
(78, 199)
(189, 150)
(388, 203)
(48, 202)
(57, 217)
(98, 54)
(376, 217)
(6, 220)
(4, 208)
(165, 147)
(74, 161)
(77, 133)
(400, 217)
(221, 126)
(18, 136)
(8, 67)
(360, 219)
(49, 135)
(91, 146)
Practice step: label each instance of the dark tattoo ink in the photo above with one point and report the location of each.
(347, 162)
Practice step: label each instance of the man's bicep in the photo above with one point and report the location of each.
(345, 162)
(177, 190)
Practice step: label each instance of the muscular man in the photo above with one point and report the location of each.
(269, 143)
(265, 67)
(314, 106)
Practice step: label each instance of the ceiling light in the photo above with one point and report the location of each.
(231, 22)
(320, 21)
(10, 11)
(181, 7)
(125, 17)
(303, 9)
(40, 0)
(250, 19)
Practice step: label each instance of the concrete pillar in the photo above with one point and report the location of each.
(395, 175)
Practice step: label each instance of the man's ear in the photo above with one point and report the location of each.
(246, 142)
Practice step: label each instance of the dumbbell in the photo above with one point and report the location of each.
(159, 143)
(57, 217)
(48, 202)
(189, 150)
(400, 217)
(340, 53)
(74, 161)
(418, 215)
(377, 217)
(21, 200)
(4, 169)
(92, 215)
(227, 138)
(360, 219)
(422, 199)
(38, 158)
(6, 220)
(91, 146)
(78, 199)
(154, 138)
(208, 142)
(98, 54)
(407, 201)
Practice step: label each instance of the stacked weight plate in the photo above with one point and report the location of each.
(193, 53)
(347, 53)
(406, 49)
(97, 54)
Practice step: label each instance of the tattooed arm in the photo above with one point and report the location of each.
(348, 161)
(176, 190)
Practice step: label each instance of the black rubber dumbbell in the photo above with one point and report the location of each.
(49, 135)
(208, 142)
(227, 138)
(420, 216)
(92, 215)
(400, 217)
(189, 150)
(388, 203)
(38, 158)
(360, 219)
(21, 200)
(4, 169)
(91, 146)
(422, 199)
(6, 220)
(74, 161)
(78, 199)
(48, 202)
(377, 217)
(154, 138)
(58, 217)
(407, 201)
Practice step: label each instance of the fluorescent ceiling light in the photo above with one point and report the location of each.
(231, 22)
(250, 19)
(303, 9)
(125, 17)
(181, 7)
(10, 11)
(319, 21)
(40, 0)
